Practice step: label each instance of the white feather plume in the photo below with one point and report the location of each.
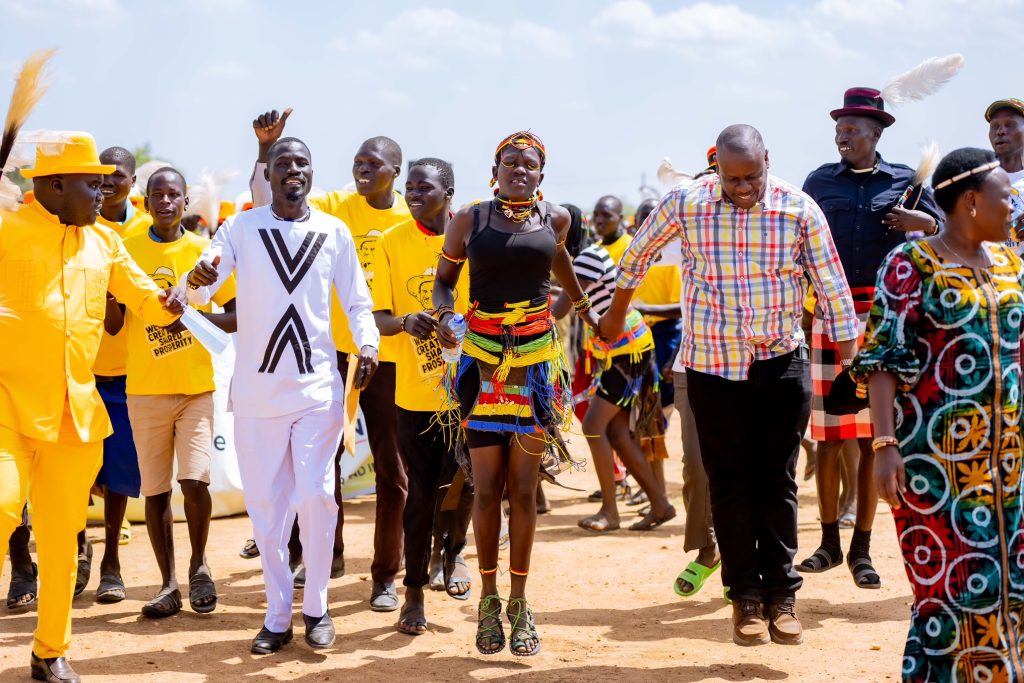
(205, 194)
(669, 176)
(10, 195)
(142, 174)
(24, 151)
(926, 166)
(923, 80)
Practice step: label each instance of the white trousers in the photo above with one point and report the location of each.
(287, 468)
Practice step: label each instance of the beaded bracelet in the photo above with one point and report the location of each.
(450, 259)
(404, 318)
(441, 310)
(884, 442)
(582, 304)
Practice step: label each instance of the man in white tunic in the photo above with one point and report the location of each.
(286, 393)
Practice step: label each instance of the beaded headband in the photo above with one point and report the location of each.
(524, 139)
(967, 174)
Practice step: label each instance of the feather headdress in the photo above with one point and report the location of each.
(670, 177)
(923, 80)
(204, 196)
(29, 87)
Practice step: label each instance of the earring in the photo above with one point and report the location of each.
(974, 212)
(493, 182)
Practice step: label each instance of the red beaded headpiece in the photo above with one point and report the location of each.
(524, 139)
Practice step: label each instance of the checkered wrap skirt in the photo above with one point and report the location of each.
(825, 367)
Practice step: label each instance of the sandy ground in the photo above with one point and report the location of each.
(604, 605)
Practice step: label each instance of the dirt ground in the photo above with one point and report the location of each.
(604, 606)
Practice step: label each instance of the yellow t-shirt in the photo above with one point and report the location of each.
(403, 282)
(162, 362)
(367, 225)
(113, 354)
(662, 285)
(617, 248)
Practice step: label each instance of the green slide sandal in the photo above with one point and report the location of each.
(695, 574)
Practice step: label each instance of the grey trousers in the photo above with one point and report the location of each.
(700, 532)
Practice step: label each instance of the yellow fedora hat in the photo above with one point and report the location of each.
(77, 155)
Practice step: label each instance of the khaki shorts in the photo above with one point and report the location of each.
(165, 425)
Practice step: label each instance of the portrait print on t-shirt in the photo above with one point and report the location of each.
(366, 247)
(428, 351)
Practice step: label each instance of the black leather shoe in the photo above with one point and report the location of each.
(55, 669)
(319, 631)
(383, 597)
(268, 642)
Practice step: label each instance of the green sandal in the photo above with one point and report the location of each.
(489, 630)
(695, 574)
(523, 628)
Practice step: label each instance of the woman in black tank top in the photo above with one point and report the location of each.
(510, 386)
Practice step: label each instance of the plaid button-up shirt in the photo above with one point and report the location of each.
(743, 273)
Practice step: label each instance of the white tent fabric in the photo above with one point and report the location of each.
(225, 481)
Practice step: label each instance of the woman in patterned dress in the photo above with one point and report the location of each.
(943, 348)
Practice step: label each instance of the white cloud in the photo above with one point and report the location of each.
(59, 8)
(419, 38)
(860, 11)
(701, 28)
(546, 41)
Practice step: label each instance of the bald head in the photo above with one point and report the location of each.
(741, 139)
(742, 165)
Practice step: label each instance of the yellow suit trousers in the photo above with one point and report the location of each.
(56, 478)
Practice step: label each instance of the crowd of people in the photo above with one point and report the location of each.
(916, 293)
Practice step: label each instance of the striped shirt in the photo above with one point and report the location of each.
(743, 273)
(595, 265)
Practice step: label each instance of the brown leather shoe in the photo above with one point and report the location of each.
(748, 624)
(54, 669)
(783, 625)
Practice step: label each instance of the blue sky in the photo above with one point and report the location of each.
(611, 87)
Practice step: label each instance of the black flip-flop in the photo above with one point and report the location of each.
(412, 618)
(652, 521)
(166, 603)
(84, 569)
(201, 585)
(864, 574)
(110, 590)
(821, 560)
(23, 591)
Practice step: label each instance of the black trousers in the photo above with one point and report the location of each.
(430, 465)
(749, 433)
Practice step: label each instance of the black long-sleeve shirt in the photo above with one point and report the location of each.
(855, 204)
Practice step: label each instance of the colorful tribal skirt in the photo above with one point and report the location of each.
(511, 382)
(825, 367)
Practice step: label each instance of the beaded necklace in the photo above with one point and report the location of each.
(517, 212)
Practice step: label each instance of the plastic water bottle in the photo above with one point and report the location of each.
(457, 324)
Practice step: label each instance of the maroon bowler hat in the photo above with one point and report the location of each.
(864, 102)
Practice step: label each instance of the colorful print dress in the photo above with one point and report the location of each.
(951, 335)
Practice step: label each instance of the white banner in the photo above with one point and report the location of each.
(225, 482)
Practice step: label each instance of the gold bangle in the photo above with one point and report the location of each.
(884, 442)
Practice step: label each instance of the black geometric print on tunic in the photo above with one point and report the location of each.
(291, 269)
(290, 331)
